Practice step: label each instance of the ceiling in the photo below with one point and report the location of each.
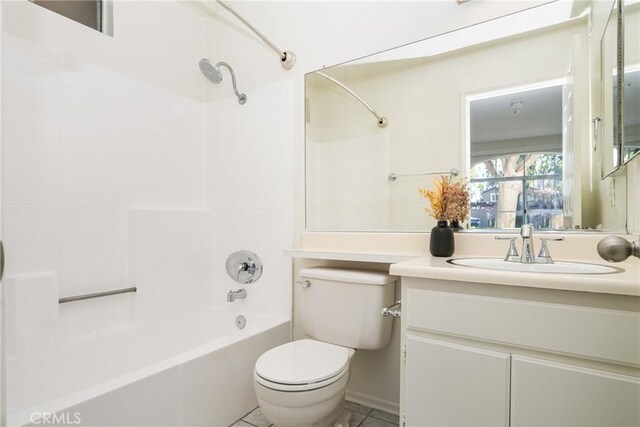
(499, 118)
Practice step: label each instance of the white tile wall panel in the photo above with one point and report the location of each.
(30, 255)
(24, 121)
(23, 88)
(31, 189)
(252, 194)
(37, 60)
(30, 156)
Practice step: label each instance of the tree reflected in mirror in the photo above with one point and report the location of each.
(509, 191)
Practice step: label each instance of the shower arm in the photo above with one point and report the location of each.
(382, 121)
(287, 58)
(241, 96)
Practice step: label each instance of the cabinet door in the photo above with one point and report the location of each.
(552, 394)
(453, 385)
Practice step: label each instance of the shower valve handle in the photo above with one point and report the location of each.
(251, 269)
(244, 267)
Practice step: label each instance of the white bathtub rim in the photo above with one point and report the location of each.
(61, 404)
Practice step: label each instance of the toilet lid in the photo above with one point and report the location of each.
(302, 362)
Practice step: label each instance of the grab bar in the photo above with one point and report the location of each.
(453, 172)
(97, 295)
(393, 310)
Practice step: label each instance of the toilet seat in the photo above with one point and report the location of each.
(302, 365)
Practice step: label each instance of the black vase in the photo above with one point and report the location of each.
(441, 242)
(455, 225)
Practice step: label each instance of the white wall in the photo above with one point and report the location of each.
(326, 33)
(153, 42)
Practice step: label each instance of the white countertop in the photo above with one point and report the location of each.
(428, 267)
(387, 257)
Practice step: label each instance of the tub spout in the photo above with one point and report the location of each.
(234, 295)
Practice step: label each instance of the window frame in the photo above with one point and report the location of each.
(104, 14)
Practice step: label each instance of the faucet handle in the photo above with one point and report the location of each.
(512, 254)
(544, 257)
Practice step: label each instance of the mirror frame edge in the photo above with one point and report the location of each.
(618, 136)
(621, 86)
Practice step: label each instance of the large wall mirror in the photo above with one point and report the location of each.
(504, 104)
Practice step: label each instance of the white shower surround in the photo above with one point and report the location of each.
(168, 354)
(104, 187)
(195, 370)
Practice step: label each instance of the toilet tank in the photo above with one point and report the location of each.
(343, 306)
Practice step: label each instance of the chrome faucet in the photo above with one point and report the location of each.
(528, 255)
(234, 295)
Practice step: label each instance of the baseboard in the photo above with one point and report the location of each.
(373, 402)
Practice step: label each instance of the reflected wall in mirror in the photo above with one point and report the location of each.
(506, 102)
(631, 86)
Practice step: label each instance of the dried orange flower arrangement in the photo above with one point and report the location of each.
(449, 200)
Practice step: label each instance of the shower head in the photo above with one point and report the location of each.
(210, 71)
(213, 74)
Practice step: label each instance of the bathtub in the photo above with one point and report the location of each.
(191, 370)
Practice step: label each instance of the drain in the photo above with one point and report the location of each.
(241, 321)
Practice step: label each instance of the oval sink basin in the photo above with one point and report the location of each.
(559, 267)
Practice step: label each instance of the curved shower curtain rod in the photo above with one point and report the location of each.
(287, 58)
(382, 121)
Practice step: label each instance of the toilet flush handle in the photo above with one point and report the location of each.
(394, 310)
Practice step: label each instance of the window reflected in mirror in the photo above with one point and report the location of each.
(516, 145)
(509, 191)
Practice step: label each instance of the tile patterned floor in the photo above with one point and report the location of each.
(361, 416)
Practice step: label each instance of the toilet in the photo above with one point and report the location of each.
(302, 383)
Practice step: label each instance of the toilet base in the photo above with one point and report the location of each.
(308, 416)
(343, 420)
(324, 407)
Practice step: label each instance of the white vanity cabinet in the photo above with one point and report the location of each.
(449, 384)
(547, 393)
(493, 355)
